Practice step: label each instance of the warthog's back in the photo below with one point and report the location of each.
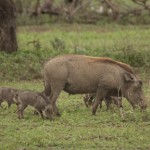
(31, 98)
(83, 74)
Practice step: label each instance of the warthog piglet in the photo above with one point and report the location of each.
(34, 99)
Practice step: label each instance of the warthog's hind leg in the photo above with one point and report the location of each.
(53, 98)
(21, 108)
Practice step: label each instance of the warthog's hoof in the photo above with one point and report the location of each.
(58, 114)
(144, 107)
(20, 117)
(93, 112)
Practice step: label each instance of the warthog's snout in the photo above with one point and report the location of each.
(143, 107)
(49, 117)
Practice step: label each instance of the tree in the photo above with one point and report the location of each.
(8, 42)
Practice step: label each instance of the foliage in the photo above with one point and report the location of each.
(76, 128)
(96, 11)
(58, 44)
(39, 43)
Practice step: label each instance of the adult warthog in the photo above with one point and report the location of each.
(79, 74)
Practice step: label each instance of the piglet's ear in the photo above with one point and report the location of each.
(128, 77)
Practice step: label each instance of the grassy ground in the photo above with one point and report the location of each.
(76, 128)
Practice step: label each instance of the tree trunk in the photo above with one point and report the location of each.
(8, 42)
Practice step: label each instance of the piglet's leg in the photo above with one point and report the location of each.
(21, 108)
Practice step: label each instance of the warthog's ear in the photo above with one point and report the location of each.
(128, 77)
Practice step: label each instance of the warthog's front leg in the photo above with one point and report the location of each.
(95, 105)
(98, 100)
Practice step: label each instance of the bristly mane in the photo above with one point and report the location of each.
(127, 67)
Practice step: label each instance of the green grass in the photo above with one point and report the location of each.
(76, 128)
